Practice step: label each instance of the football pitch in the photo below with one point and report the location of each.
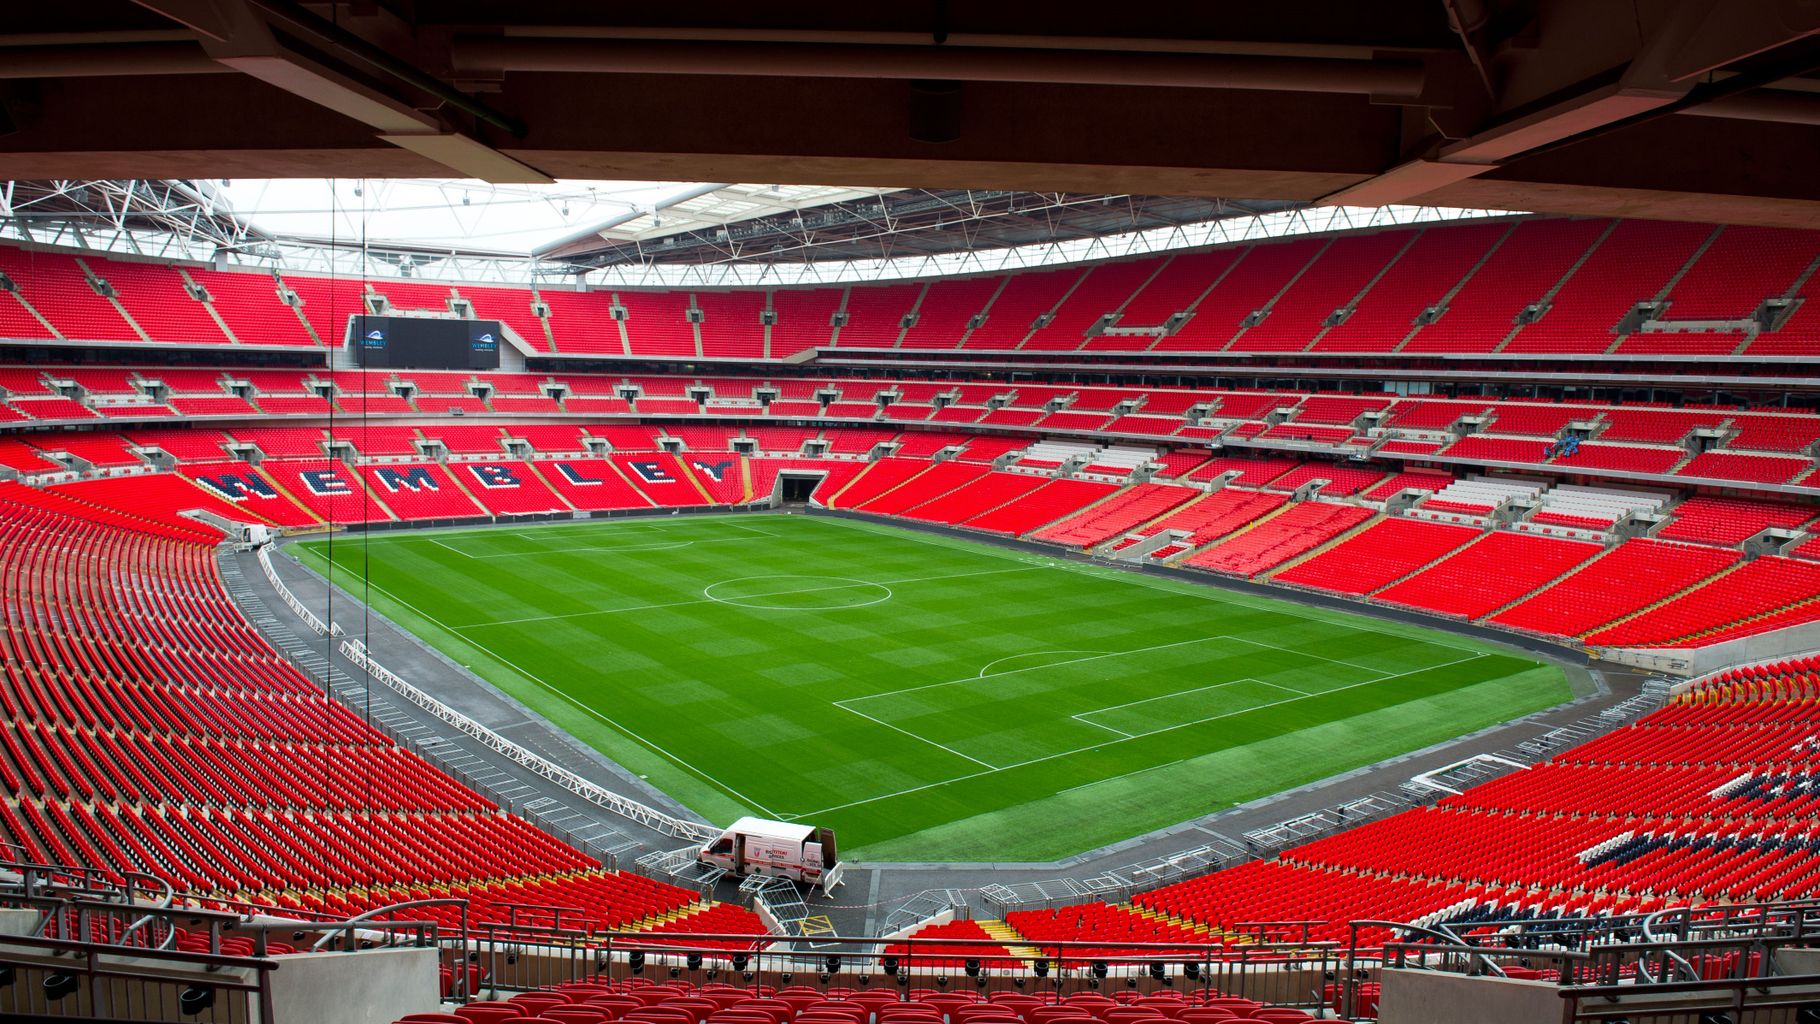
(927, 696)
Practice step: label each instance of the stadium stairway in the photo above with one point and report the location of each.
(1653, 605)
(1320, 549)
(1181, 557)
(1501, 609)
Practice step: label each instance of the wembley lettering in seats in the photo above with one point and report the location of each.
(413, 478)
(325, 482)
(576, 476)
(715, 470)
(493, 476)
(236, 487)
(651, 472)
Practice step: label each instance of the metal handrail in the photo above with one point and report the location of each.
(346, 929)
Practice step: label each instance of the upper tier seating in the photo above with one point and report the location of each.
(1479, 275)
(1632, 263)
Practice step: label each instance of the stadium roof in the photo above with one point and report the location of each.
(641, 233)
(1647, 108)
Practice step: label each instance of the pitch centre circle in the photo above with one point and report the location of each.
(797, 593)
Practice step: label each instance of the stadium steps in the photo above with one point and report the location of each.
(694, 326)
(1333, 541)
(833, 499)
(695, 481)
(986, 310)
(113, 300)
(361, 479)
(297, 311)
(1164, 917)
(1462, 549)
(1652, 606)
(251, 512)
(1079, 279)
(1501, 609)
(1673, 280)
(916, 310)
(1272, 304)
(1365, 292)
(286, 494)
(1471, 272)
(625, 338)
(214, 314)
(1064, 517)
(1548, 296)
(462, 486)
(1247, 528)
(1011, 939)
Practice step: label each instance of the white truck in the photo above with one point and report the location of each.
(778, 849)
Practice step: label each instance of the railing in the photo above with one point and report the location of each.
(1762, 1000)
(1664, 958)
(309, 618)
(650, 817)
(50, 977)
(1287, 974)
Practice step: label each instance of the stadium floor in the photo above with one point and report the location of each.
(930, 697)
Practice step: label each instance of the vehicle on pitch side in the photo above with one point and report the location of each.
(776, 849)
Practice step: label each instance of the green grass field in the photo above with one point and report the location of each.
(929, 697)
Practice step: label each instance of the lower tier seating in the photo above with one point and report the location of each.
(155, 730)
(1300, 528)
(1708, 801)
(1634, 575)
(1381, 554)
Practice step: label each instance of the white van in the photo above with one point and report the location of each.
(778, 849)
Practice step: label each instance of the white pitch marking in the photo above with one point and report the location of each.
(694, 601)
(1032, 654)
(914, 736)
(1156, 732)
(1177, 588)
(850, 584)
(587, 708)
(1127, 775)
(1058, 664)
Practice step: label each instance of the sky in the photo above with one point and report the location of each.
(454, 213)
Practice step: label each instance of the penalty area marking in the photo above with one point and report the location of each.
(1110, 742)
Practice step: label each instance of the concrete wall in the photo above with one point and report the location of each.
(1798, 961)
(1431, 997)
(14, 921)
(377, 986)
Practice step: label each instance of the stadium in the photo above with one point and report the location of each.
(940, 514)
